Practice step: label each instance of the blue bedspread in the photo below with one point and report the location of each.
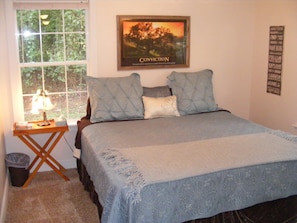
(181, 199)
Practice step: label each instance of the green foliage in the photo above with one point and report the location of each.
(76, 78)
(75, 20)
(31, 79)
(75, 46)
(53, 22)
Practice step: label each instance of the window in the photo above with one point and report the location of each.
(52, 57)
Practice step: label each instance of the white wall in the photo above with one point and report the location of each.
(221, 34)
(4, 111)
(221, 40)
(278, 112)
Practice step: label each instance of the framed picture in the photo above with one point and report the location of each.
(146, 42)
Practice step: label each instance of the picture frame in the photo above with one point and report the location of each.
(150, 42)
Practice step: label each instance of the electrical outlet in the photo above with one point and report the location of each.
(76, 153)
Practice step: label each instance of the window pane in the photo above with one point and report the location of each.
(74, 20)
(76, 78)
(54, 79)
(77, 105)
(60, 105)
(51, 21)
(28, 21)
(31, 79)
(53, 47)
(27, 109)
(29, 48)
(75, 47)
(71, 107)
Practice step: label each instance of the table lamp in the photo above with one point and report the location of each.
(41, 101)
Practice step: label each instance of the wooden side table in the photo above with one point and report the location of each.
(42, 152)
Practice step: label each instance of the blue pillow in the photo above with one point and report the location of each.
(115, 98)
(161, 91)
(193, 90)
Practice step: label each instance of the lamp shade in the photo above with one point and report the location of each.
(41, 101)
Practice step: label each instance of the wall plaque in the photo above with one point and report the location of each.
(275, 59)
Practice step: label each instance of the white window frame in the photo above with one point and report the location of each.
(15, 76)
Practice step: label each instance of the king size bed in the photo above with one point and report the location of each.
(170, 154)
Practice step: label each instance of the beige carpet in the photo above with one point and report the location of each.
(50, 199)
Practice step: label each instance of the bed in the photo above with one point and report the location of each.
(170, 154)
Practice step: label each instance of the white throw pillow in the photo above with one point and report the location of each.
(159, 107)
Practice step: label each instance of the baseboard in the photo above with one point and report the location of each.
(4, 200)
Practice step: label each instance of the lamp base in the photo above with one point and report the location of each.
(45, 121)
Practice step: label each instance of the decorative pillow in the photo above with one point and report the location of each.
(159, 107)
(161, 91)
(115, 98)
(193, 90)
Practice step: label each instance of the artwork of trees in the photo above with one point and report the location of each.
(152, 42)
(145, 40)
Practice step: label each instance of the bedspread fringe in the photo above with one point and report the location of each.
(284, 135)
(122, 166)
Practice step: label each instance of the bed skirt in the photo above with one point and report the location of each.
(278, 211)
